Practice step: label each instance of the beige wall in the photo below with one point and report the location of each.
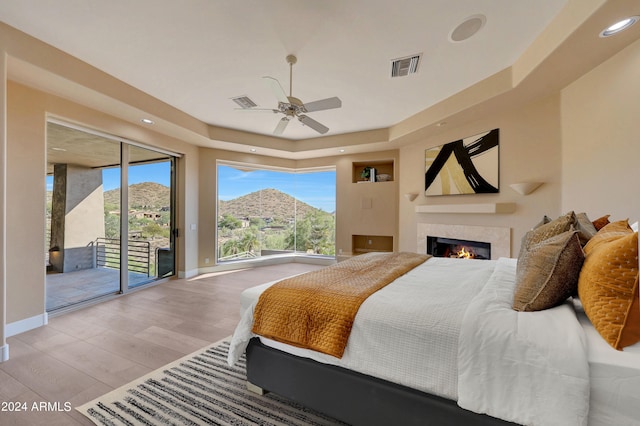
(27, 111)
(352, 219)
(601, 139)
(529, 151)
(583, 143)
(25, 203)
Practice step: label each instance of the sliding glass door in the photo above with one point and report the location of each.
(110, 228)
(150, 242)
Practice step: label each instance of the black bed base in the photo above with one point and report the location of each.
(352, 397)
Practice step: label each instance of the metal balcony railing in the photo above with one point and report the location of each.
(108, 255)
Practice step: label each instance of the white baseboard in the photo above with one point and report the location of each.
(26, 324)
(188, 274)
(4, 353)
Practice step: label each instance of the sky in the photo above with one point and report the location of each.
(154, 172)
(317, 189)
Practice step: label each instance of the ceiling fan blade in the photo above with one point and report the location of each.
(323, 104)
(308, 121)
(282, 124)
(276, 88)
(258, 109)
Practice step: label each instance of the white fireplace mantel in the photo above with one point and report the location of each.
(486, 208)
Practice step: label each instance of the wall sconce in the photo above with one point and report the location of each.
(411, 196)
(525, 188)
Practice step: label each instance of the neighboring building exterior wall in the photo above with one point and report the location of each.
(77, 217)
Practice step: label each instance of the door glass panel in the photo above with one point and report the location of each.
(83, 221)
(151, 251)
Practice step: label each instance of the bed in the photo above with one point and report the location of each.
(442, 345)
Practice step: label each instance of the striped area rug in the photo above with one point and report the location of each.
(199, 389)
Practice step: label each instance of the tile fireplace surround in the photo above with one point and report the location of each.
(500, 238)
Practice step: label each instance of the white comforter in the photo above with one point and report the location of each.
(407, 332)
(526, 367)
(447, 328)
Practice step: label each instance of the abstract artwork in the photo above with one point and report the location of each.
(465, 166)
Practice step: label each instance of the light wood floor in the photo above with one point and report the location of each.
(81, 355)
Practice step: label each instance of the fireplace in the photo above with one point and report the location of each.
(498, 237)
(453, 247)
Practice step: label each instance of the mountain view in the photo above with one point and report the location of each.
(146, 195)
(266, 203)
(270, 221)
(251, 225)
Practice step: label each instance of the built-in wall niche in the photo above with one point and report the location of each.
(384, 167)
(371, 243)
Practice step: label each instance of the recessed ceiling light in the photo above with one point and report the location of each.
(341, 150)
(147, 121)
(252, 149)
(55, 148)
(619, 26)
(468, 28)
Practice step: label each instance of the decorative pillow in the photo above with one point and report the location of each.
(547, 272)
(545, 219)
(608, 289)
(601, 222)
(585, 228)
(610, 232)
(548, 230)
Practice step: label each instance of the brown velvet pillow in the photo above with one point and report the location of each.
(547, 272)
(608, 289)
(601, 222)
(548, 230)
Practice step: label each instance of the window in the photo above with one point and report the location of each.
(268, 212)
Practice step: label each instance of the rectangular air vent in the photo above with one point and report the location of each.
(244, 102)
(405, 66)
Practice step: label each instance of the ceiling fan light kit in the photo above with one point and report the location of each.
(293, 107)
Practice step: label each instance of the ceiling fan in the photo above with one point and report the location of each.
(293, 107)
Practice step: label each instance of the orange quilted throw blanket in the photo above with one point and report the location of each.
(316, 310)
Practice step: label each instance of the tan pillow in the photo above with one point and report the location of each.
(608, 289)
(612, 231)
(586, 229)
(547, 272)
(548, 230)
(545, 219)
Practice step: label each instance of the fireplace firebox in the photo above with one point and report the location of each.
(452, 247)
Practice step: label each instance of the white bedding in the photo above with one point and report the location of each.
(407, 332)
(427, 329)
(526, 367)
(615, 379)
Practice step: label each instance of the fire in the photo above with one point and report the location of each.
(463, 253)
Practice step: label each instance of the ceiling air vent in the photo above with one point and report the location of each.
(244, 102)
(405, 66)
